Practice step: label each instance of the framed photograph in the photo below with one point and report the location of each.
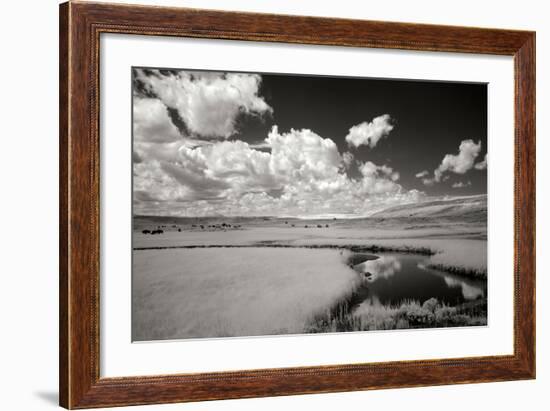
(258, 205)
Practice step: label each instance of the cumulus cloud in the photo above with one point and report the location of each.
(152, 184)
(182, 167)
(369, 134)
(347, 158)
(208, 103)
(303, 154)
(482, 165)
(461, 184)
(302, 173)
(378, 179)
(459, 163)
(454, 163)
(369, 169)
(152, 122)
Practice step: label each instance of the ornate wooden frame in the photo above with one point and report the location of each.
(80, 27)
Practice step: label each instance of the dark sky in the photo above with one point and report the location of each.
(431, 119)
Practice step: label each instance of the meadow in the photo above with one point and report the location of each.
(210, 292)
(227, 277)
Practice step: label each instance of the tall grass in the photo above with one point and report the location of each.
(409, 314)
(205, 293)
(278, 244)
(474, 273)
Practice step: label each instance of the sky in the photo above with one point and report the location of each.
(248, 144)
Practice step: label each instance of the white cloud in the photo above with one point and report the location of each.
(208, 103)
(152, 122)
(454, 163)
(347, 158)
(232, 165)
(378, 179)
(370, 169)
(151, 183)
(482, 165)
(369, 134)
(301, 174)
(461, 162)
(460, 184)
(303, 155)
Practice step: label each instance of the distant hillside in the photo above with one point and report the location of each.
(471, 208)
(170, 220)
(464, 209)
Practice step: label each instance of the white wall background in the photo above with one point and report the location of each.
(28, 204)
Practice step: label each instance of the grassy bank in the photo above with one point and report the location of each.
(473, 273)
(273, 244)
(408, 315)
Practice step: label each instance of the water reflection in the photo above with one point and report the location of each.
(383, 267)
(469, 291)
(394, 278)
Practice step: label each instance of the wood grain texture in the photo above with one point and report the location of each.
(80, 27)
(63, 204)
(525, 203)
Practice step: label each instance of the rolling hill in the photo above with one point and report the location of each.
(469, 208)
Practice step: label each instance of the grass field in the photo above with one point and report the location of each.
(234, 291)
(221, 277)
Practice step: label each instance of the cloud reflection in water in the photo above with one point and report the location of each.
(383, 267)
(470, 292)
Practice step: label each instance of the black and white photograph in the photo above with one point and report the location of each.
(272, 204)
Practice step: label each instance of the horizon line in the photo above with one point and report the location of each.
(318, 217)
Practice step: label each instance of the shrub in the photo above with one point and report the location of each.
(417, 315)
(409, 314)
(460, 319)
(444, 314)
(388, 323)
(430, 304)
